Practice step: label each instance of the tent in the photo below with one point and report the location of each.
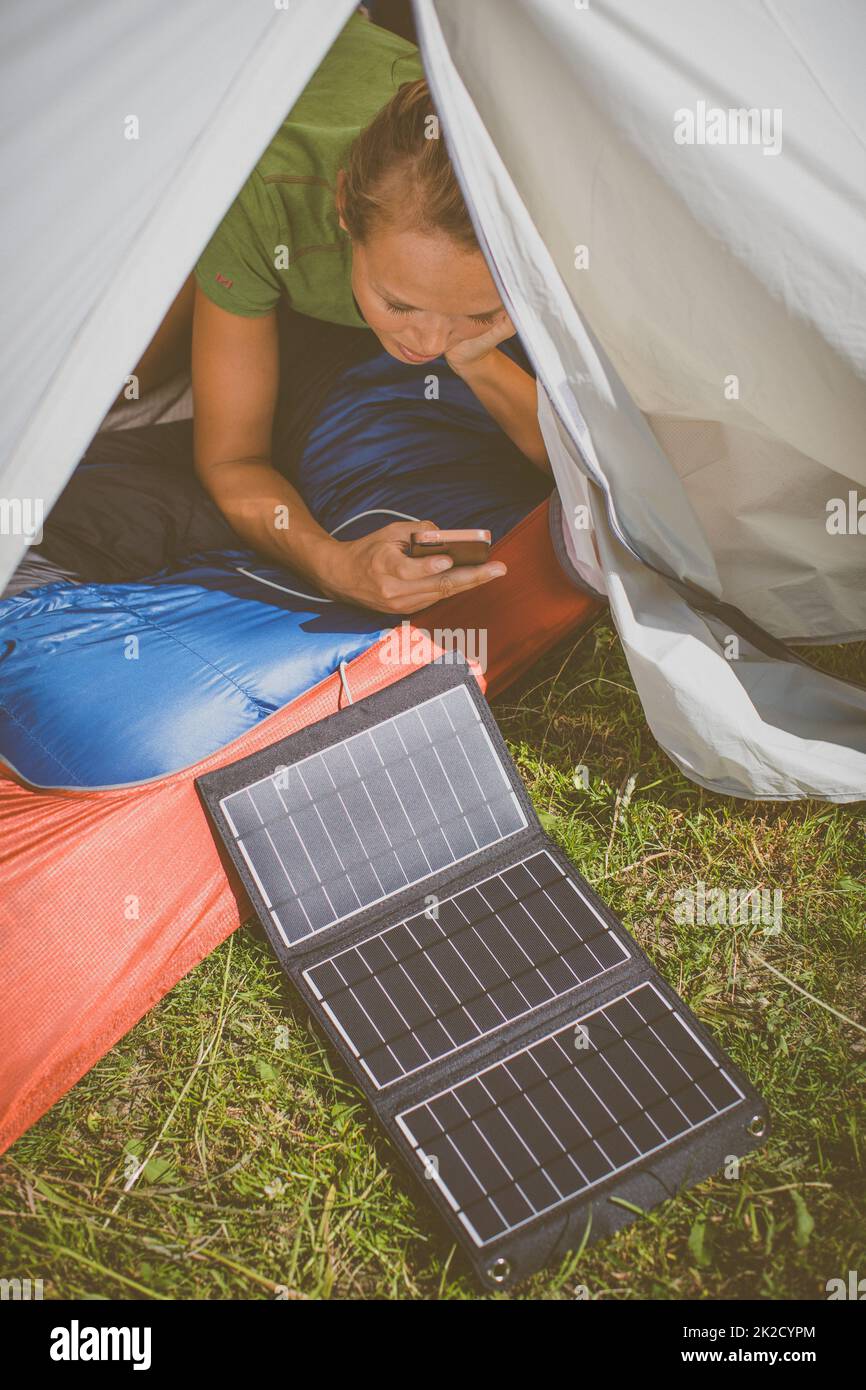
(672, 202)
(701, 365)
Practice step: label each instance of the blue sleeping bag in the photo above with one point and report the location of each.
(385, 447)
(108, 684)
(111, 684)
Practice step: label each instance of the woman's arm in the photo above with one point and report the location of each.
(235, 372)
(235, 365)
(505, 390)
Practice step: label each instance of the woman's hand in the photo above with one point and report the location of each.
(505, 390)
(376, 571)
(473, 350)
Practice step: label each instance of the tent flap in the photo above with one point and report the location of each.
(147, 121)
(696, 313)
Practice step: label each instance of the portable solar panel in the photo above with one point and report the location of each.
(542, 1082)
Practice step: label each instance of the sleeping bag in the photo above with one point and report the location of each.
(138, 674)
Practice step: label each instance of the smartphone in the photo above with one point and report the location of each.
(464, 547)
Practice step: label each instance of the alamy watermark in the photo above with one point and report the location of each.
(77, 1343)
(701, 906)
(20, 1290)
(736, 125)
(846, 516)
(853, 1287)
(407, 645)
(22, 516)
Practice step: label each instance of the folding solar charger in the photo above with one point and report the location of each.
(540, 1079)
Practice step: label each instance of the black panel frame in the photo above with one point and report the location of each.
(684, 1161)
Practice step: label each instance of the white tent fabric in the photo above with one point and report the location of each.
(99, 231)
(705, 263)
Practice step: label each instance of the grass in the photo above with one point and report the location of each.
(266, 1174)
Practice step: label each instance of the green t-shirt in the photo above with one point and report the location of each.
(282, 236)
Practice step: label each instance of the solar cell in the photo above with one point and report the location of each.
(511, 1034)
(388, 807)
(552, 1120)
(426, 987)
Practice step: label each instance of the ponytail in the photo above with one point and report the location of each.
(398, 173)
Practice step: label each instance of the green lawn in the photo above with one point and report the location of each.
(265, 1168)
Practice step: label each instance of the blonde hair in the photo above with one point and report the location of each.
(398, 172)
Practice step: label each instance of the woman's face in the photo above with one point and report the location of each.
(422, 294)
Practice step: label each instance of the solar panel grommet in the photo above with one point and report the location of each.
(757, 1126)
(499, 1271)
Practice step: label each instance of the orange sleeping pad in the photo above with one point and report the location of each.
(110, 897)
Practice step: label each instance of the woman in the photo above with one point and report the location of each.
(377, 239)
